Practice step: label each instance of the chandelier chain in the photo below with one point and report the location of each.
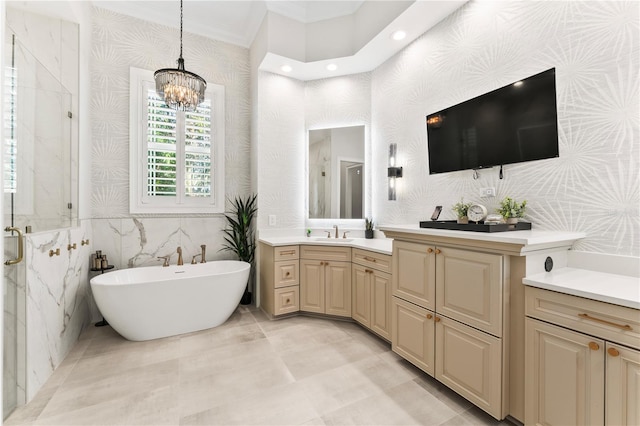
(181, 28)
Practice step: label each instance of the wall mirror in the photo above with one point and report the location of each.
(336, 173)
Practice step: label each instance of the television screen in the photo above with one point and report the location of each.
(515, 123)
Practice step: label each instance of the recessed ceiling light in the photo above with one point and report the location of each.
(332, 67)
(286, 68)
(398, 35)
(518, 83)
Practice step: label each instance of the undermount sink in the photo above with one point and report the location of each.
(332, 240)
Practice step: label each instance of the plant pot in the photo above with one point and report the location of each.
(463, 219)
(368, 233)
(246, 297)
(512, 220)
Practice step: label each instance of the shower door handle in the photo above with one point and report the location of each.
(20, 246)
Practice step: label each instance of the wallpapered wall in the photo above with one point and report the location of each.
(286, 109)
(118, 43)
(593, 186)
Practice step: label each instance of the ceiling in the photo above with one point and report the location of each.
(238, 21)
(233, 21)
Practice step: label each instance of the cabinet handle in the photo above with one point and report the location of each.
(429, 316)
(369, 259)
(282, 253)
(437, 319)
(613, 352)
(429, 250)
(601, 321)
(438, 251)
(594, 346)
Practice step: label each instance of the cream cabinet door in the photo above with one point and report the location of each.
(414, 273)
(469, 288)
(312, 292)
(337, 283)
(470, 362)
(413, 334)
(381, 303)
(361, 295)
(622, 385)
(564, 376)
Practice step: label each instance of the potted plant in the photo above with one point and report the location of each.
(240, 236)
(461, 208)
(510, 210)
(368, 227)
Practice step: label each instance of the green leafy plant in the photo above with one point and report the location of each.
(509, 207)
(461, 208)
(368, 223)
(239, 233)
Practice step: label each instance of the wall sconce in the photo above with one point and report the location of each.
(393, 172)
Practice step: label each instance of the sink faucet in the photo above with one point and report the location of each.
(180, 262)
(336, 228)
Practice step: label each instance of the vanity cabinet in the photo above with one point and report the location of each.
(325, 280)
(448, 312)
(371, 291)
(279, 279)
(582, 363)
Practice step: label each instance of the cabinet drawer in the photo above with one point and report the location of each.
(326, 253)
(287, 300)
(610, 322)
(286, 273)
(286, 253)
(381, 262)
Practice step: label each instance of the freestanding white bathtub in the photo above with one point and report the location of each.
(153, 302)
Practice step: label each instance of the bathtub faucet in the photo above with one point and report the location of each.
(166, 260)
(193, 259)
(180, 262)
(204, 249)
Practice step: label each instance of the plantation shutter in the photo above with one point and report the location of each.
(197, 161)
(162, 174)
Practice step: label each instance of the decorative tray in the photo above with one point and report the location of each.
(475, 227)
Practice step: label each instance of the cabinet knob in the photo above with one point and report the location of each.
(438, 251)
(287, 274)
(437, 319)
(594, 346)
(613, 352)
(429, 316)
(287, 301)
(429, 250)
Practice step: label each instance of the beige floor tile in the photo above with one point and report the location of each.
(283, 405)
(80, 394)
(208, 389)
(314, 359)
(301, 371)
(473, 417)
(156, 407)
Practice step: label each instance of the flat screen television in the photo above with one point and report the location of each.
(515, 123)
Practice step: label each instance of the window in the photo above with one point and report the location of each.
(177, 158)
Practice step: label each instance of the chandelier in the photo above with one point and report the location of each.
(180, 89)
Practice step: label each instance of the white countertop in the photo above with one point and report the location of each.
(606, 287)
(380, 245)
(532, 239)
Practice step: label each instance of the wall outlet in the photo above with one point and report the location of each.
(487, 192)
(272, 220)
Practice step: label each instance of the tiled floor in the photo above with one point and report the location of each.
(295, 371)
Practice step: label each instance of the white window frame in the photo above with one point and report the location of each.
(139, 201)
